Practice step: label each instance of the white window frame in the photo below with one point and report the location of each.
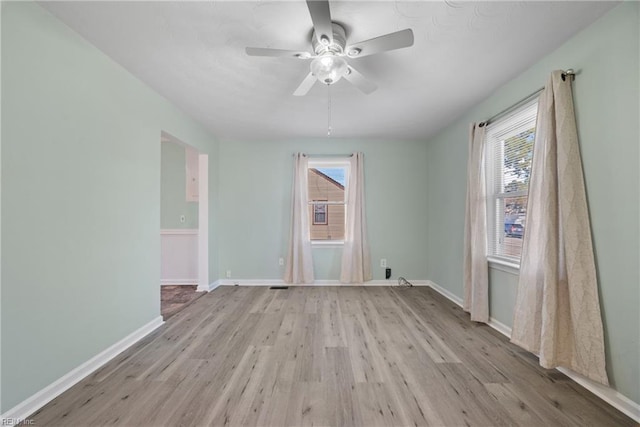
(320, 163)
(495, 215)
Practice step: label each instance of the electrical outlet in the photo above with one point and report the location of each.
(182, 219)
(281, 261)
(228, 274)
(383, 263)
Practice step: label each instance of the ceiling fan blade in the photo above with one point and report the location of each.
(321, 17)
(265, 51)
(358, 80)
(306, 85)
(391, 41)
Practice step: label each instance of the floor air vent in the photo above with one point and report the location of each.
(279, 287)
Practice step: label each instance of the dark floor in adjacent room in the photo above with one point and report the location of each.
(174, 298)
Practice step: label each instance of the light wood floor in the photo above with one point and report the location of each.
(326, 356)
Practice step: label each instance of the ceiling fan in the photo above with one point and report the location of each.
(330, 48)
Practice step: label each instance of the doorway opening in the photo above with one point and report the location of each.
(183, 225)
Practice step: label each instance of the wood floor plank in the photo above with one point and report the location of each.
(520, 412)
(471, 397)
(331, 318)
(339, 387)
(467, 346)
(273, 409)
(269, 403)
(236, 388)
(363, 361)
(307, 406)
(325, 356)
(436, 347)
(378, 405)
(308, 348)
(267, 330)
(400, 372)
(313, 301)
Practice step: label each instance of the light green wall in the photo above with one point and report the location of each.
(80, 200)
(606, 93)
(255, 197)
(173, 188)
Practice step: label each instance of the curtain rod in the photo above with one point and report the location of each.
(524, 100)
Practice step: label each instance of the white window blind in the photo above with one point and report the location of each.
(508, 156)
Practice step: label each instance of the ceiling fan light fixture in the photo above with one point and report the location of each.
(330, 50)
(328, 69)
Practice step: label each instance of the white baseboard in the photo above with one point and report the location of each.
(609, 395)
(276, 282)
(619, 401)
(211, 286)
(451, 296)
(22, 410)
(500, 327)
(178, 282)
(178, 231)
(249, 282)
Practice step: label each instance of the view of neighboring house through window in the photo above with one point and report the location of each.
(327, 202)
(509, 153)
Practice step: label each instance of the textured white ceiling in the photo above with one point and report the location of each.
(193, 54)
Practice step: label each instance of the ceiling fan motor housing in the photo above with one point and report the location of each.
(336, 47)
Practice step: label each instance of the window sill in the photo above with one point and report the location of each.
(327, 243)
(504, 265)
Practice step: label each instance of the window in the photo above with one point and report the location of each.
(319, 213)
(509, 152)
(327, 199)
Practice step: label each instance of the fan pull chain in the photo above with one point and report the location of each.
(329, 111)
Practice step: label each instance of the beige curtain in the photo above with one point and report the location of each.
(356, 260)
(476, 269)
(557, 313)
(299, 268)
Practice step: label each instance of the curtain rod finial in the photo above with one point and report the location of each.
(569, 72)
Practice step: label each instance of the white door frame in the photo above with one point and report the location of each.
(203, 222)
